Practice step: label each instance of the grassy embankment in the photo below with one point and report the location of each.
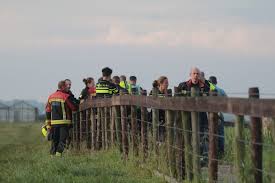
(24, 158)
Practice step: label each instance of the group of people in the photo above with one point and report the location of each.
(108, 86)
(62, 103)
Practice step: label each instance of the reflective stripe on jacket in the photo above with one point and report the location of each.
(105, 89)
(59, 109)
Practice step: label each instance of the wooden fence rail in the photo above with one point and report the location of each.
(123, 122)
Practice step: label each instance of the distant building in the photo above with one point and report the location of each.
(4, 112)
(23, 112)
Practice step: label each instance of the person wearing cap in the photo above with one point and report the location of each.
(104, 87)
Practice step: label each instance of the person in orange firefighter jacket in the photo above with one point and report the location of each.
(59, 110)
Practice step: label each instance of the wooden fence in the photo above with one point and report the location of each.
(132, 124)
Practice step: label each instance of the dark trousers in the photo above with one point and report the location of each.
(221, 139)
(161, 126)
(204, 136)
(59, 137)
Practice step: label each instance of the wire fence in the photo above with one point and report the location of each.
(192, 146)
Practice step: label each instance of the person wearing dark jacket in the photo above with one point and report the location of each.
(89, 90)
(105, 88)
(76, 102)
(185, 90)
(117, 82)
(194, 81)
(221, 139)
(59, 110)
(160, 86)
(69, 91)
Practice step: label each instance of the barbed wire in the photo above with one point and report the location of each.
(148, 137)
(222, 162)
(188, 131)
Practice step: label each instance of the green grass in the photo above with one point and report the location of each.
(24, 158)
(268, 154)
(228, 160)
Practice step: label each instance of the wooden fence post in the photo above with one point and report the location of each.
(102, 112)
(81, 113)
(113, 128)
(74, 130)
(213, 144)
(257, 147)
(124, 131)
(134, 130)
(179, 141)
(88, 129)
(170, 143)
(84, 135)
(125, 144)
(118, 128)
(273, 130)
(195, 139)
(78, 130)
(99, 131)
(155, 124)
(240, 148)
(107, 127)
(93, 129)
(272, 168)
(144, 139)
(187, 128)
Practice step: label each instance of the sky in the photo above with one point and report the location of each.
(43, 42)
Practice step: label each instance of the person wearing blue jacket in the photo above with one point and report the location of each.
(221, 139)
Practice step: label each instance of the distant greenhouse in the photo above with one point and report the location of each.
(18, 112)
(4, 112)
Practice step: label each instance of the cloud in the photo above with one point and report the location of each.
(82, 31)
(233, 39)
